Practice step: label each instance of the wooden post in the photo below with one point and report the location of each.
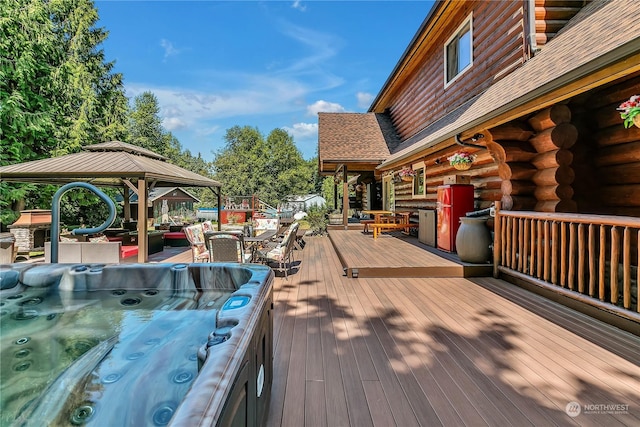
(142, 221)
(497, 241)
(345, 198)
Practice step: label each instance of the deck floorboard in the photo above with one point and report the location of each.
(438, 351)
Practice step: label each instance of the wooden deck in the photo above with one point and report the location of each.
(397, 255)
(439, 351)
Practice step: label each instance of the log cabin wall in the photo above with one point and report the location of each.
(615, 154)
(498, 46)
(551, 16)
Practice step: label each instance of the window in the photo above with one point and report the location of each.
(458, 52)
(419, 180)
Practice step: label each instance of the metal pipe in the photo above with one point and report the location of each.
(55, 215)
(474, 138)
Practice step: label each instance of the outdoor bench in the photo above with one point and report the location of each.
(380, 227)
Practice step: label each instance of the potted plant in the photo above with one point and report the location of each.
(461, 160)
(406, 174)
(630, 111)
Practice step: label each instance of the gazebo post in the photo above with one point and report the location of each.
(127, 204)
(142, 221)
(345, 198)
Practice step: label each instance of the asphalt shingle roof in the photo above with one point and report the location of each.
(366, 137)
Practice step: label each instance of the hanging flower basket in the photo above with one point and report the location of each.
(630, 111)
(406, 174)
(462, 166)
(461, 160)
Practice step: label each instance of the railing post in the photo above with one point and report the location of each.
(497, 241)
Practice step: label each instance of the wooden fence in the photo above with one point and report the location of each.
(595, 256)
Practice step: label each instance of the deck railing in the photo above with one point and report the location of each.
(595, 256)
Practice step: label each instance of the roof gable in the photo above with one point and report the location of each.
(355, 137)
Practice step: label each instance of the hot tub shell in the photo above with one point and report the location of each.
(235, 366)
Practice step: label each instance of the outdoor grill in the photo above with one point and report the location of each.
(31, 230)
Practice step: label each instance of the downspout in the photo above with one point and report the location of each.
(474, 138)
(533, 44)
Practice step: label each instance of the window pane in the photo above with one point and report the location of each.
(464, 50)
(452, 60)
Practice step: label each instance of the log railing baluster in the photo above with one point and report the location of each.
(592, 260)
(514, 243)
(563, 254)
(547, 251)
(571, 260)
(615, 259)
(554, 252)
(540, 260)
(532, 247)
(602, 262)
(521, 238)
(626, 268)
(582, 258)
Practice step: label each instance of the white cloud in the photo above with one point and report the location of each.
(303, 131)
(173, 123)
(297, 4)
(364, 100)
(324, 107)
(169, 49)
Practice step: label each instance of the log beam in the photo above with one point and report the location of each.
(553, 192)
(550, 117)
(564, 135)
(554, 176)
(553, 159)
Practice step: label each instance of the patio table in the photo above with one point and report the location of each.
(254, 241)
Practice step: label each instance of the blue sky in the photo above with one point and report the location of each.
(266, 64)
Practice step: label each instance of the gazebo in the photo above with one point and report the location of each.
(112, 164)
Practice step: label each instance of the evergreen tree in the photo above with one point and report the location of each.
(270, 168)
(145, 125)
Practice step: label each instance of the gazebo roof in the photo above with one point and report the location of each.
(107, 164)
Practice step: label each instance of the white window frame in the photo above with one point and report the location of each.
(416, 167)
(455, 38)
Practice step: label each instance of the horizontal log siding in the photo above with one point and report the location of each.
(551, 16)
(498, 46)
(616, 150)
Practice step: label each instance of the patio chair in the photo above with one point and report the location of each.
(195, 236)
(281, 252)
(227, 246)
(263, 224)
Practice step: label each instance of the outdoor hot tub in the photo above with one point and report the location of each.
(135, 344)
